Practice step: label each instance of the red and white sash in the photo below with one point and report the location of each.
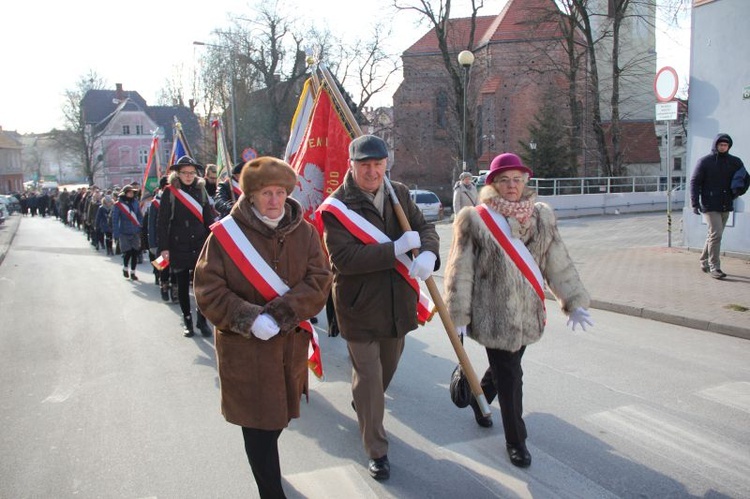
(514, 248)
(190, 202)
(129, 213)
(156, 201)
(262, 277)
(369, 234)
(236, 188)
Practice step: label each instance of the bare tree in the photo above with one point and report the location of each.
(79, 137)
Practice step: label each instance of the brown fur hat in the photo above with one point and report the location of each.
(264, 171)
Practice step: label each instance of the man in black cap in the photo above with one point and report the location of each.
(229, 191)
(375, 289)
(718, 179)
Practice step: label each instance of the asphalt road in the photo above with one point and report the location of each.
(103, 398)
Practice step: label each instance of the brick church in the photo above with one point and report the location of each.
(519, 54)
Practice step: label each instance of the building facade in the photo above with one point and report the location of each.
(11, 166)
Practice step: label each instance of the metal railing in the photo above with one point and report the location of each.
(603, 185)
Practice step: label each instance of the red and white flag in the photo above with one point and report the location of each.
(323, 156)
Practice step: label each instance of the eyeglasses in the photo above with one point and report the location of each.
(189, 174)
(509, 180)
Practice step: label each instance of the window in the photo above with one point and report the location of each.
(441, 105)
(660, 140)
(678, 140)
(142, 156)
(139, 129)
(126, 129)
(677, 164)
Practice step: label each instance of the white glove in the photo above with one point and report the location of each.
(579, 317)
(264, 327)
(423, 265)
(461, 330)
(408, 241)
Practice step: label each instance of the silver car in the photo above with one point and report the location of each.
(428, 203)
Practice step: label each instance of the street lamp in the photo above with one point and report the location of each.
(231, 99)
(532, 146)
(465, 59)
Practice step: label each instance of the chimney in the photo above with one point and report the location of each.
(119, 94)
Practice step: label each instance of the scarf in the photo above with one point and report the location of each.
(518, 213)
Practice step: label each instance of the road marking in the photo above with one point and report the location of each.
(342, 482)
(711, 455)
(735, 395)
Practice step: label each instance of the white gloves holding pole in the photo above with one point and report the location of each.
(580, 317)
(408, 241)
(264, 327)
(423, 265)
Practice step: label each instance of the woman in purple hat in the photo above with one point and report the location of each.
(505, 251)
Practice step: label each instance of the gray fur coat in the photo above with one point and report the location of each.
(486, 291)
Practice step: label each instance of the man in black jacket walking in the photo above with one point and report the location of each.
(713, 189)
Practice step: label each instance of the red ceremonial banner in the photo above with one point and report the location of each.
(323, 157)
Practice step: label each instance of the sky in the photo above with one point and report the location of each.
(48, 46)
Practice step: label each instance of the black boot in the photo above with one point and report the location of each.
(202, 324)
(187, 322)
(165, 292)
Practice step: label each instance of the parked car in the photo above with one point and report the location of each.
(11, 203)
(428, 203)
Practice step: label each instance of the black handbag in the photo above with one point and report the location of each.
(459, 386)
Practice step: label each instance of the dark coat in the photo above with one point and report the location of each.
(262, 381)
(121, 224)
(179, 231)
(103, 218)
(371, 298)
(224, 199)
(711, 183)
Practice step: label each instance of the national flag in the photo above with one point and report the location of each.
(152, 173)
(180, 146)
(323, 156)
(300, 120)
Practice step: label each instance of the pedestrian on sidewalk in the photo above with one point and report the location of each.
(185, 218)
(126, 228)
(374, 291)
(261, 272)
(503, 253)
(104, 222)
(464, 193)
(718, 179)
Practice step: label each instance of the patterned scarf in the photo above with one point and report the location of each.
(518, 211)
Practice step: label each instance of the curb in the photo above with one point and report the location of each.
(11, 224)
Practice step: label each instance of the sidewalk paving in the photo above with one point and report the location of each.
(627, 267)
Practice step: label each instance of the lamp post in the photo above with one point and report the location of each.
(465, 59)
(231, 102)
(532, 146)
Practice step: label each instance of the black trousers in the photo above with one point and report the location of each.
(504, 379)
(262, 451)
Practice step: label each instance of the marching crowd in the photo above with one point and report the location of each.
(260, 273)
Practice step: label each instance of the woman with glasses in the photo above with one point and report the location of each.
(505, 251)
(185, 216)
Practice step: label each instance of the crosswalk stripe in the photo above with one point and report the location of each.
(736, 395)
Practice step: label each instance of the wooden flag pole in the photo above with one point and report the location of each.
(450, 329)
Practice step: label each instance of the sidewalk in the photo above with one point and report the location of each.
(627, 267)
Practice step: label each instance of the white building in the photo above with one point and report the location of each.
(719, 101)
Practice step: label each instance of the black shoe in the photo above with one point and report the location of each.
(125, 274)
(187, 323)
(313, 320)
(203, 326)
(519, 455)
(380, 468)
(133, 277)
(165, 293)
(717, 274)
(482, 420)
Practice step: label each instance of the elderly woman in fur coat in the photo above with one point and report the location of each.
(261, 272)
(504, 251)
